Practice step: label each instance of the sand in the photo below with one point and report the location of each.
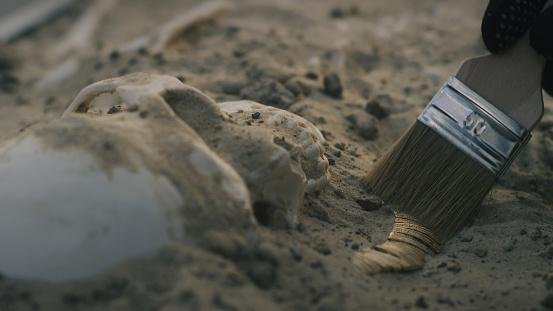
(360, 71)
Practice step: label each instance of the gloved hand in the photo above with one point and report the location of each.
(506, 21)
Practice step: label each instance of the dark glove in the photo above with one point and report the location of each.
(506, 21)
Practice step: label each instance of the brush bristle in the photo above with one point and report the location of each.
(429, 179)
(436, 190)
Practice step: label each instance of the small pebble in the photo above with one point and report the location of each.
(262, 273)
(454, 267)
(421, 303)
(368, 131)
(340, 146)
(114, 55)
(374, 108)
(323, 249)
(370, 203)
(337, 12)
(256, 115)
(332, 86)
(312, 76)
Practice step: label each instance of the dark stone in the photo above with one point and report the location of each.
(366, 126)
(337, 12)
(340, 146)
(548, 301)
(262, 273)
(370, 203)
(269, 92)
(312, 76)
(316, 264)
(181, 78)
(374, 108)
(332, 86)
(368, 131)
(114, 55)
(421, 303)
(355, 246)
(454, 267)
(352, 119)
(143, 51)
(268, 215)
(256, 115)
(323, 249)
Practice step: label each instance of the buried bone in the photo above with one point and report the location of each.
(128, 169)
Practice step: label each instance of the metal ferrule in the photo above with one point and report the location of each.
(475, 126)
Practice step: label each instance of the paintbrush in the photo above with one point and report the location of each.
(438, 173)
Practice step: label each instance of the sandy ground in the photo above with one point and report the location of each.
(391, 55)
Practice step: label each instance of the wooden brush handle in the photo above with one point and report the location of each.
(511, 80)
